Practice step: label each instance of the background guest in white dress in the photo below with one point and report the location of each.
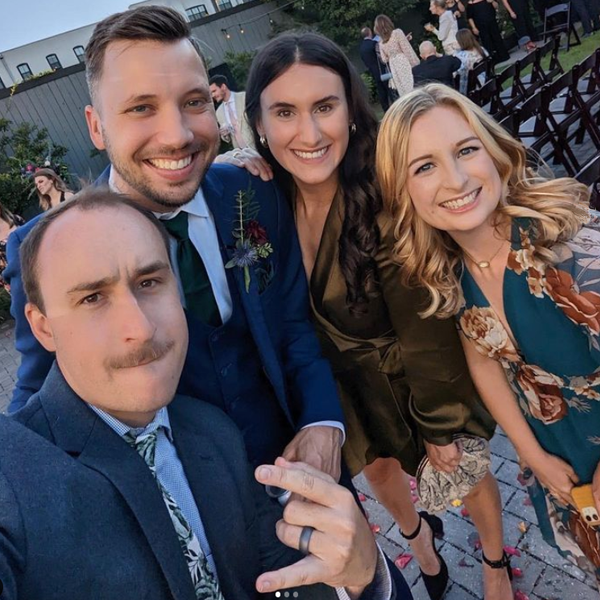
(396, 50)
(446, 32)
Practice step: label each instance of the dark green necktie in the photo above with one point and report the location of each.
(199, 297)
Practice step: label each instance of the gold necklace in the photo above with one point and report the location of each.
(484, 264)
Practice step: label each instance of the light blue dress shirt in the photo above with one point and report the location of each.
(169, 470)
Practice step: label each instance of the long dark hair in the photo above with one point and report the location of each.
(360, 237)
(59, 184)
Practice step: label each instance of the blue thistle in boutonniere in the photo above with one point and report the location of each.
(251, 243)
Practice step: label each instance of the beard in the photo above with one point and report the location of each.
(170, 195)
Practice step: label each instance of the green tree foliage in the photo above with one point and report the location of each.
(239, 64)
(341, 20)
(23, 148)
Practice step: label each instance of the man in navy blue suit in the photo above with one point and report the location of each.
(253, 351)
(112, 486)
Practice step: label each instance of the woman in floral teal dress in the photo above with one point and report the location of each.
(515, 258)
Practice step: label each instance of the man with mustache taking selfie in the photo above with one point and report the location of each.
(111, 485)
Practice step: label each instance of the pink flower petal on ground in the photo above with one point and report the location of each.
(414, 498)
(519, 595)
(413, 484)
(375, 528)
(474, 541)
(521, 479)
(527, 501)
(362, 497)
(463, 563)
(403, 559)
(512, 551)
(517, 573)
(464, 512)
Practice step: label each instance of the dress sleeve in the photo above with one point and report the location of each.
(573, 283)
(443, 397)
(444, 29)
(383, 54)
(405, 47)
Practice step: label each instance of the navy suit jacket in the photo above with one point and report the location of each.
(436, 68)
(278, 316)
(82, 516)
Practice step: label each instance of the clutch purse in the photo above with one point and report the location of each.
(437, 490)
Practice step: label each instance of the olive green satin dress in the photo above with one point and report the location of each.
(401, 379)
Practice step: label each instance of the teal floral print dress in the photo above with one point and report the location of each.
(554, 316)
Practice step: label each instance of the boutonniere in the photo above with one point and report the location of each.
(252, 243)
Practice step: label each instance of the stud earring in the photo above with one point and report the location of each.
(263, 141)
(352, 128)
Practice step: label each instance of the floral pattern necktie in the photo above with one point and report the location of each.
(205, 583)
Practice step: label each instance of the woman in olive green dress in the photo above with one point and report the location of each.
(403, 381)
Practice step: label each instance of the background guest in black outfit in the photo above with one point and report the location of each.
(481, 15)
(434, 67)
(518, 11)
(370, 57)
(459, 11)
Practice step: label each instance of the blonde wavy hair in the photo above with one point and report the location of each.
(430, 258)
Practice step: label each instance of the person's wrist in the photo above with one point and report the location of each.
(533, 457)
(355, 592)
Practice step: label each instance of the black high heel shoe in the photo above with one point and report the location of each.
(434, 584)
(503, 563)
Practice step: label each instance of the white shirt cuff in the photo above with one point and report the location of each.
(335, 424)
(381, 586)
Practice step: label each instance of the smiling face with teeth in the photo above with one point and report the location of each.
(452, 179)
(305, 118)
(154, 116)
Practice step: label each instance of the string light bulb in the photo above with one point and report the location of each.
(241, 29)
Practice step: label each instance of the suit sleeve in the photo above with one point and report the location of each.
(309, 377)
(35, 361)
(442, 393)
(12, 540)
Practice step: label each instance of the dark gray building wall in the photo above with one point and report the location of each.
(57, 101)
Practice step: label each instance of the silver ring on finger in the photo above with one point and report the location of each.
(237, 154)
(305, 536)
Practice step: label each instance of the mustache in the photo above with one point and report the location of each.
(149, 352)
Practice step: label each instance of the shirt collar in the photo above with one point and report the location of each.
(196, 206)
(161, 419)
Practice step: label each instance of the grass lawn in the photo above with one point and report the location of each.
(567, 59)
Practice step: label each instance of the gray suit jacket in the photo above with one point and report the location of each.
(81, 516)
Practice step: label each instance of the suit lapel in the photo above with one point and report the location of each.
(223, 211)
(214, 493)
(81, 433)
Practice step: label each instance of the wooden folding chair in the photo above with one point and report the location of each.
(531, 128)
(485, 66)
(567, 117)
(557, 20)
(488, 98)
(586, 77)
(510, 95)
(531, 82)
